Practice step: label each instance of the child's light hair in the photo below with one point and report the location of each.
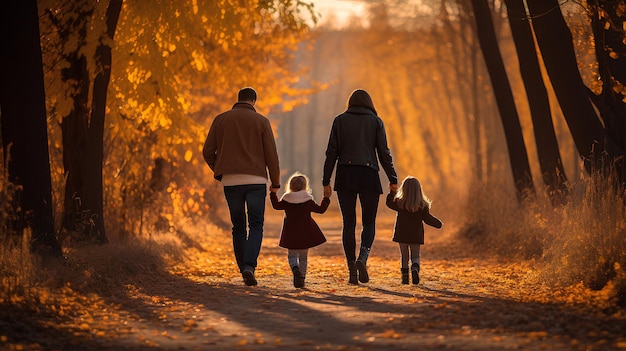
(298, 182)
(410, 196)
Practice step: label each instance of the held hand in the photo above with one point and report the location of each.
(393, 187)
(328, 191)
(272, 189)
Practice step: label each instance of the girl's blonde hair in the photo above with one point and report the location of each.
(298, 182)
(410, 196)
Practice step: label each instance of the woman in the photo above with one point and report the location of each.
(356, 144)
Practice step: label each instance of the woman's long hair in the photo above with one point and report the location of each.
(360, 97)
(410, 196)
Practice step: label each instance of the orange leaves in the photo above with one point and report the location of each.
(391, 334)
(189, 325)
(188, 155)
(201, 300)
(538, 334)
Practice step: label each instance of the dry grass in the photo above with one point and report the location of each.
(583, 241)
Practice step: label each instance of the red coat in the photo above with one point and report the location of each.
(299, 229)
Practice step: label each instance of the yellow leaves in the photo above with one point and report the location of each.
(188, 155)
(165, 122)
(194, 7)
(137, 75)
(224, 44)
(170, 49)
(198, 61)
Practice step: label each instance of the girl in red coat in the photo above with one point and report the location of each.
(300, 232)
(413, 209)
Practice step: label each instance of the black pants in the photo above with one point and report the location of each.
(369, 208)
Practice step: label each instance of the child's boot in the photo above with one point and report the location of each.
(405, 275)
(415, 273)
(361, 264)
(298, 280)
(353, 274)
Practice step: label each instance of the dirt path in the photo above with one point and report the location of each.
(463, 303)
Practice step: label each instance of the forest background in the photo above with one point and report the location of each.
(131, 88)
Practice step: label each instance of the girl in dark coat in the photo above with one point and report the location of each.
(413, 209)
(300, 232)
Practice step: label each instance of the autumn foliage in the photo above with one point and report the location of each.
(176, 64)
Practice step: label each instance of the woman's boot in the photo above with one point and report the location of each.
(353, 274)
(361, 262)
(298, 279)
(415, 273)
(405, 275)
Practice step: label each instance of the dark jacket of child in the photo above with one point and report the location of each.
(299, 229)
(409, 227)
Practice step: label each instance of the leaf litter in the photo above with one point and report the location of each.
(198, 300)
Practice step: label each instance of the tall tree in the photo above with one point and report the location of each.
(73, 29)
(518, 157)
(545, 138)
(559, 57)
(83, 127)
(24, 128)
(608, 20)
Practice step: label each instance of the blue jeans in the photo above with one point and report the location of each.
(369, 208)
(246, 243)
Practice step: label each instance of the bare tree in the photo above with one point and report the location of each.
(545, 138)
(557, 50)
(518, 156)
(24, 128)
(607, 22)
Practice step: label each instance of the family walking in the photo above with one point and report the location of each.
(241, 151)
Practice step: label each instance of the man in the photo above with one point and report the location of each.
(240, 149)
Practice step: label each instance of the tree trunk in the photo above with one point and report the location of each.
(24, 127)
(95, 132)
(611, 55)
(78, 215)
(83, 136)
(518, 156)
(545, 138)
(555, 43)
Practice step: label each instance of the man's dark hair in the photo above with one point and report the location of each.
(247, 94)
